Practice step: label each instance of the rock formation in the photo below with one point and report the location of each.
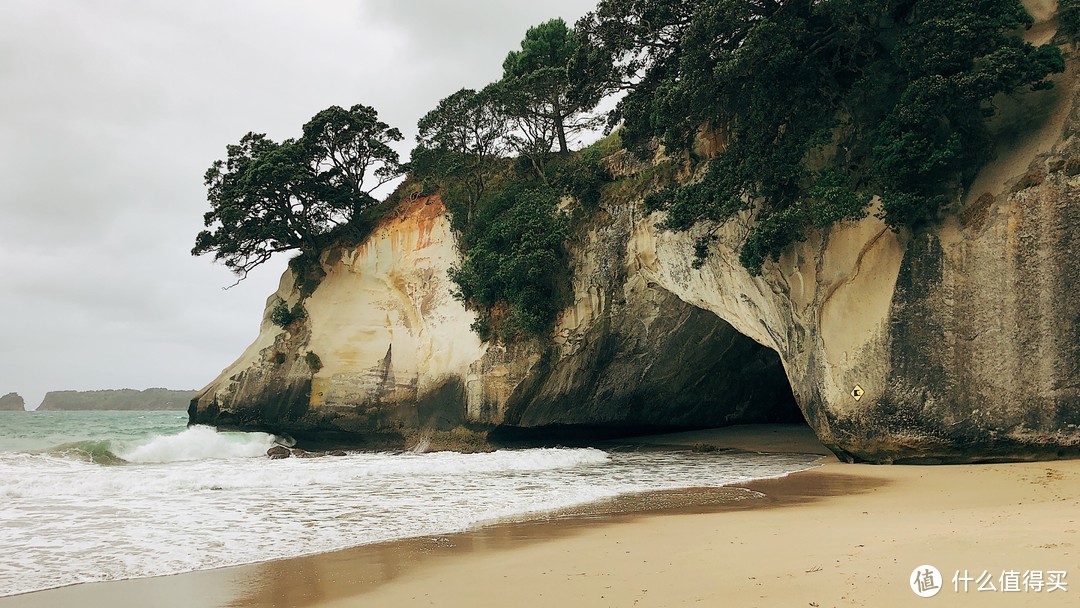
(124, 399)
(12, 402)
(958, 343)
(398, 353)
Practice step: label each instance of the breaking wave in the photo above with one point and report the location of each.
(97, 452)
(194, 443)
(197, 498)
(199, 443)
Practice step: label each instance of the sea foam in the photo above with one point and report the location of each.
(201, 499)
(198, 443)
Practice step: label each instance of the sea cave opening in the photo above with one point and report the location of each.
(683, 370)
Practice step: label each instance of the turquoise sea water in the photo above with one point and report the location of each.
(36, 431)
(90, 496)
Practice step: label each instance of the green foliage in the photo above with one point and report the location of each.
(313, 361)
(655, 179)
(460, 143)
(953, 57)
(308, 272)
(769, 237)
(350, 153)
(608, 145)
(545, 102)
(1069, 16)
(889, 97)
(548, 45)
(268, 197)
(283, 316)
(833, 199)
(701, 250)
(540, 92)
(899, 207)
(581, 175)
(514, 269)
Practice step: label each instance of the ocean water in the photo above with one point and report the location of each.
(93, 496)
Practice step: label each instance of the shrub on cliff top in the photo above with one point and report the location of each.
(313, 361)
(1069, 14)
(514, 269)
(283, 316)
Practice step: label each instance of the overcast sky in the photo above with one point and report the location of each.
(111, 111)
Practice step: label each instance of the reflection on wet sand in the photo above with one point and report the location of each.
(317, 579)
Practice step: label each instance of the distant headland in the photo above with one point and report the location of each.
(122, 399)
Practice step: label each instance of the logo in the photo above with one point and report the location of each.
(925, 581)
(857, 392)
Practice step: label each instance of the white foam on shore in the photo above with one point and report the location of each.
(198, 443)
(188, 507)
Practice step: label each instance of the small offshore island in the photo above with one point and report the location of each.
(151, 399)
(12, 402)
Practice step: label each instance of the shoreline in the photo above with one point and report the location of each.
(838, 534)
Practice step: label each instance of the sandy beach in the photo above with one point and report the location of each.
(839, 535)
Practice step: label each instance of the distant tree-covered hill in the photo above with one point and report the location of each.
(123, 399)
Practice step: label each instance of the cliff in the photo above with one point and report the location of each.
(956, 343)
(12, 402)
(124, 399)
(398, 353)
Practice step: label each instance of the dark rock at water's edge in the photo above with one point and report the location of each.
(12, 402)
(278, 452)
(151, 399)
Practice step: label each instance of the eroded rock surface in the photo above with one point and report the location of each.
(958, 343)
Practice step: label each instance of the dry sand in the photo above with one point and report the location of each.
(840, 535)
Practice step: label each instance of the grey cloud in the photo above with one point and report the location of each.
(110, 112)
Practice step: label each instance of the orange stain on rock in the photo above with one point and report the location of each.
(419, 215)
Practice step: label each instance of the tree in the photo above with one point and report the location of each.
(462, 141)
(531, 132)
(538, 86)
(350, 150)
(953, 57)
(889, 96)
(268, 197)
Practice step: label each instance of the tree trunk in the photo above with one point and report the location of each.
(561, 130)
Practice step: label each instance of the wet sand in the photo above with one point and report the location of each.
(840, 535)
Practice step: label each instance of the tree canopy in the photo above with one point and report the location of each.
(840, 97)
(539, 91)
(461, 142)
(811, 109)
(514, 263)
(269, 197)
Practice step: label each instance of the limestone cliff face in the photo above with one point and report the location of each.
(957, 343)
(397, 352)
(389, 337)
(12, 402)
